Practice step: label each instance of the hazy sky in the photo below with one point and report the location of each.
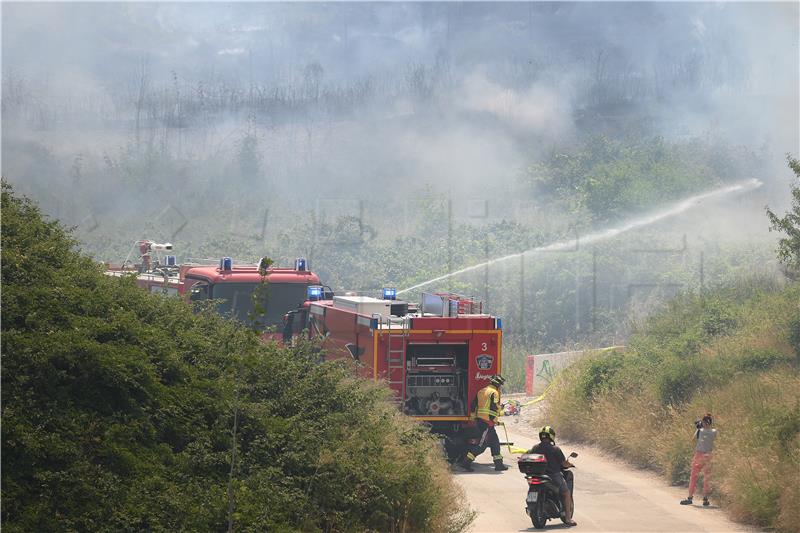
(502, 81)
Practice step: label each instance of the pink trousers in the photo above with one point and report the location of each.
(701, 461)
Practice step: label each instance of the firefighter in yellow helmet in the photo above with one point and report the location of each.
(486, 407)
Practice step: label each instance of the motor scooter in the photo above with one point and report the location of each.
(543, 501)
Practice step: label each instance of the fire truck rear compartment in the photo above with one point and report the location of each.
(436, 380)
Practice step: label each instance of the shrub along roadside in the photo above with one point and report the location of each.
(731, 353)
(119, 411)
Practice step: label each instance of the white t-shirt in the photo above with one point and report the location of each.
(705, 439)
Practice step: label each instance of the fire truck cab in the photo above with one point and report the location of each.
(233, 287)
(435, 356)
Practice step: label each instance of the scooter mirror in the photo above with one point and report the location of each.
(574, 454)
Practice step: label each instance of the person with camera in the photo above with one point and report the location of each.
(704, 437)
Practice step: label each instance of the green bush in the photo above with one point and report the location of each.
(123, 411)
(763, 501)
(794, 337)
(679, 462)
(785, 425)
(759, 360)
(598, 373)
(717, 319)
(604, 178)
(679, 379)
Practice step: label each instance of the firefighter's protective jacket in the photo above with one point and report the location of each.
(486, 405)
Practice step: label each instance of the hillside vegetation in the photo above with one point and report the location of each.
(608, 179)
(734, 353)
(128, 412)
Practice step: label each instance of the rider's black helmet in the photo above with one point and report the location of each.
(547, 433)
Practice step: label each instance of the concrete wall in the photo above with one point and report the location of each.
(540, 369)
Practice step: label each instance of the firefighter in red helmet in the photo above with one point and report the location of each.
(486, 407)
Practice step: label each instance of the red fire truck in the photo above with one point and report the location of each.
(435, 356)
(231, 285)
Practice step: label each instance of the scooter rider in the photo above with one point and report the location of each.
(555, 462)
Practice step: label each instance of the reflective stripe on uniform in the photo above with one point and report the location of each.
(483, 437)
(470, 456)
(498, 457)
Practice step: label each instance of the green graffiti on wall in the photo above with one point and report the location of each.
(546, 371)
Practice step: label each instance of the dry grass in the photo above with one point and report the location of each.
(755, 399)
(756, 476)
(759, 472)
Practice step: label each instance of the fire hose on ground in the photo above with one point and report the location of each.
(511, 448)
(514, 449)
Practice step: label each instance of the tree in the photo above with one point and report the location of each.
(789, 247)
(125, 411)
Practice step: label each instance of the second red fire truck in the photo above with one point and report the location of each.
(233, 287)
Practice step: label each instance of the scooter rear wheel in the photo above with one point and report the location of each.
(538, 517)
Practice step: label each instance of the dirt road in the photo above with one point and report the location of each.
(609, 496)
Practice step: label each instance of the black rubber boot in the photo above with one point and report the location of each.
(499, 466)
(466, 464)
(687, 501)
